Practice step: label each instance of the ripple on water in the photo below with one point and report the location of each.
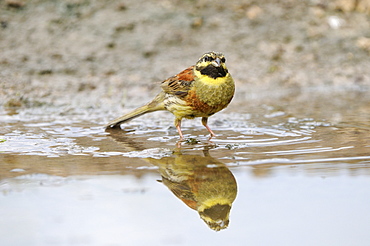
(271, 138)
(48, 141)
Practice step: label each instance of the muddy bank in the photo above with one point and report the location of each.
(110, 54)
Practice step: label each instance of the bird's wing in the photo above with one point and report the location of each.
(179, 84)
(182, 191)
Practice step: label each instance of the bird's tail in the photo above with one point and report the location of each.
(155, 105)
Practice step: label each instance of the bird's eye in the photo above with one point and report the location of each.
(223, 59)
(208, 58)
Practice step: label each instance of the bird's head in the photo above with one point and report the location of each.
(212, 64)
(216, 216)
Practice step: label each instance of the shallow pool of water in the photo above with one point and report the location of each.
(290, 172)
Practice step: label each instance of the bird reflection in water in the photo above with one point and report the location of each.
(203, 183)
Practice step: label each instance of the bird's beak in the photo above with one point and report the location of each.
(216, 62)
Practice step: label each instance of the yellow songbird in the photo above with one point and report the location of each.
(198, 91)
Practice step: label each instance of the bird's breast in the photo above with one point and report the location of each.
(211, 98)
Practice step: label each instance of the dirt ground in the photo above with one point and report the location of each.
(110, 54)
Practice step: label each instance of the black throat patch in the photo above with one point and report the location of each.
(213, 72)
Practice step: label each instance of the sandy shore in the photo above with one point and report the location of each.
(110, 54)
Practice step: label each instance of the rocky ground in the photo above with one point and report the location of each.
(110, 54)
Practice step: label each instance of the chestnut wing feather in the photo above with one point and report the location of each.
(180, 84)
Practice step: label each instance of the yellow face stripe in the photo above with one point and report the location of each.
(211, 81)
(213, 201)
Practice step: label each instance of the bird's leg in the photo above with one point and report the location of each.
(178, 127)
(204, 122)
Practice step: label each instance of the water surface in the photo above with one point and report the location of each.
(295, 171)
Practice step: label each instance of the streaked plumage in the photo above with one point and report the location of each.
(198, 91)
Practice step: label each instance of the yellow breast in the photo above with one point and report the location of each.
(214, 92)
